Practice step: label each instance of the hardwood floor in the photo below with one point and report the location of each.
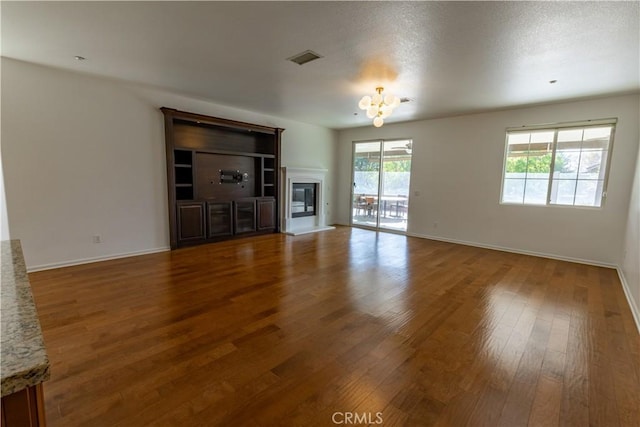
(344, 325)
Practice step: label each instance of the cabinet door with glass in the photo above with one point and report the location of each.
(220, 219)
(245, 216)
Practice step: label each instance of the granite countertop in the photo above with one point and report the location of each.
(23, 358)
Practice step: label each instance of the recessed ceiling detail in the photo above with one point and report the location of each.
(304, 57)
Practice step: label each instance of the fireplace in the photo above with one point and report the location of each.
(303, 199)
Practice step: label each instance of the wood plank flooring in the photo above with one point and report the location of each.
(346, 326)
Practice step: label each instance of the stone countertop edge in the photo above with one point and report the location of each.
(23, 356)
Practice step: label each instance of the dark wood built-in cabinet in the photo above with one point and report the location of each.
(221, 177)
(266, 213)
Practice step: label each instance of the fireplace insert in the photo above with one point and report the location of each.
(303, 199)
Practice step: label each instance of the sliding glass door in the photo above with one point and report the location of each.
(366, 183)
(380, 192)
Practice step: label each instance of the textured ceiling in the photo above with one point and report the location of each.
(448, 57)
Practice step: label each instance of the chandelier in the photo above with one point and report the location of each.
(379, 107)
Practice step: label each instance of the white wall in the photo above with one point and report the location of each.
(631, 252)
(4, 219)
(457, 170)
(84, 155)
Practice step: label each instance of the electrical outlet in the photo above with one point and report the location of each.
(435, 225)
(97, 238)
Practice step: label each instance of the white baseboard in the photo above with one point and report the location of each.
(308, 230)
(625, 285)
(504, 249)
(80, 261)
(627, 293)
(515, 251)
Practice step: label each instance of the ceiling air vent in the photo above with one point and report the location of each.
(304, 57)
(405, 99)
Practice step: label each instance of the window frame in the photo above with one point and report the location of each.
(555, 128)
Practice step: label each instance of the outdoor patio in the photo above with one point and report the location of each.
(391, 209)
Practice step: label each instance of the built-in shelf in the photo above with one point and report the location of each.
(269, 163)
(236, 153)
(183, 174)
(221, 176)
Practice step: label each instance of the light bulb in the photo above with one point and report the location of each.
(378, 121)
(372, 111)
(376, 99)
(396, 102)
(385, 111)
(389, 99)
(365, 102)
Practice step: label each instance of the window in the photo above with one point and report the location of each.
(562, 165)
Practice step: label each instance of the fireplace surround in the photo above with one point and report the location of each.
(303, 201)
